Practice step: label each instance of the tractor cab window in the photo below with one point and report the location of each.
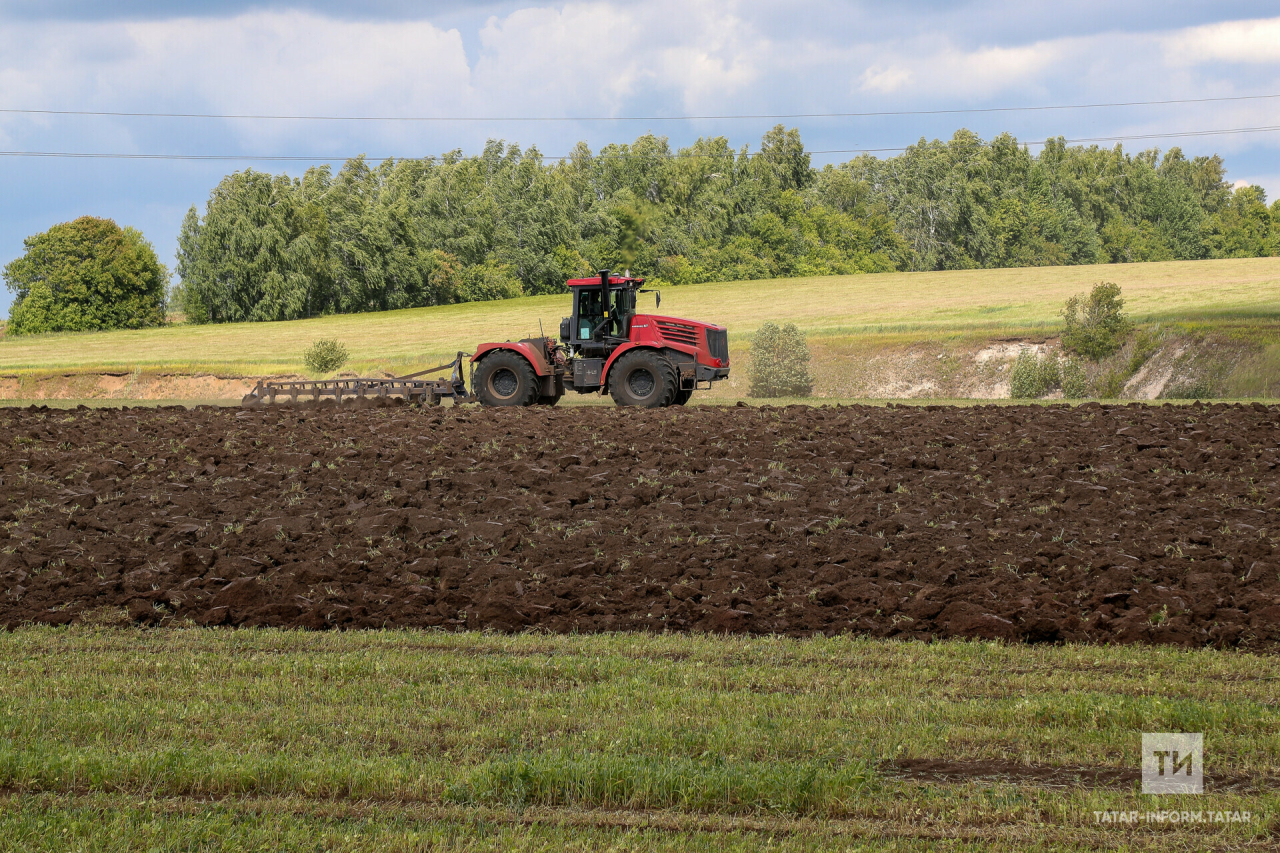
(624, 306)
(625, 302)
(590, 312)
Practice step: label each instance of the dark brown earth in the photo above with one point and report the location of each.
(1110, 524)
(934, 770)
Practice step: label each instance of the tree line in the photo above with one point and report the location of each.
(431, 231)
(438, 230)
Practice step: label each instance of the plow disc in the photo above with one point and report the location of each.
(413, 388)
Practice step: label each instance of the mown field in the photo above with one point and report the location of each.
(260, 739)
(847, 315)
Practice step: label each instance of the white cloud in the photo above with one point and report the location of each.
(595, 58)
(884, 80)
(932, 66)
(1256, 41)
(259, 62)
(578, 58)
(586, 57)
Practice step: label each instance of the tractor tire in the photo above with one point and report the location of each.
(505, 378)
(550, 400)
(682, 397)
(643, 378)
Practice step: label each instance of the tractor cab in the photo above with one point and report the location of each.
(605, 346)
(602, 312)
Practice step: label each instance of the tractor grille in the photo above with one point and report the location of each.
(718, 343)
(678, 333)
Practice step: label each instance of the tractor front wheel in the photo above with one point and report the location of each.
(643, 378)
(505, 378)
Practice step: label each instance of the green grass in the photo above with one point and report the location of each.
(192, 739)
(900, 306)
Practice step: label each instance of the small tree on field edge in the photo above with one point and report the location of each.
(1096, 326)
(780, 362)
(325, 356)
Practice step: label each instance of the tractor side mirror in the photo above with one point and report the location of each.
(566, 329)
(657, 297)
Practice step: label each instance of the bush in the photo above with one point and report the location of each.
(86, 275)
(1109, 385)
(490, 280)
(1032, 376)
(1075, 382)
(325, 356)
(780, 362)
(1195, 389)
(1095, 326)
(675, 269)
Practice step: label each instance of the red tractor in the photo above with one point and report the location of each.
(640, 359)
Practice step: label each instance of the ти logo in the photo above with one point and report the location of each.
(1173, 763)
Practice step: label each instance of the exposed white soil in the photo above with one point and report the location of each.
(977, 370)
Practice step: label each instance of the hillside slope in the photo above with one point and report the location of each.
(947, 334)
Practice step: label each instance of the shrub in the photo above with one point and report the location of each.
(1033, 376)
(675, 269)
(325, 356)
(1095, 325)
(1191, 389)
(1109, 385)
(780, 362)
(1145, 345)
(1075, 382)
(487, 281)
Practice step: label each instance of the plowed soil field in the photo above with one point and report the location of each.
(1038, 524)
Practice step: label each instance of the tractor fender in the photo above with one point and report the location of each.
(531, 350)
(679, 352)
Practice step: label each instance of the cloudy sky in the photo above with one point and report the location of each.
(499, 60)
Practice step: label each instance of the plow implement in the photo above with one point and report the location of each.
(413, 388)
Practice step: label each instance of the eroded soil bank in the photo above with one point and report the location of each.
(1125, 524)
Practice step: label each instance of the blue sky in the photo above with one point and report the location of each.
(667, 57)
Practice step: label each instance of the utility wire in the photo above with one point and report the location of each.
(319, 159)
(956, 111)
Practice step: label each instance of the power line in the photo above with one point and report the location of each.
(742, 117)
(321, 159)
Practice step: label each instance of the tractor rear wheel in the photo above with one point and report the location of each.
(505, 378)
(683, 396)
(643, 378)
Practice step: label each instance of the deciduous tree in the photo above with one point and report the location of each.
(85, 275)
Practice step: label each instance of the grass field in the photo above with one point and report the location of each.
(849, 311)
(210, 740)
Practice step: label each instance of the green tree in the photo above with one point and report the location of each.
(86, 275)
(435, 230)
(1096, 325)
(783, 158)
(780, 362)
(259, 253)
(1243, 227)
